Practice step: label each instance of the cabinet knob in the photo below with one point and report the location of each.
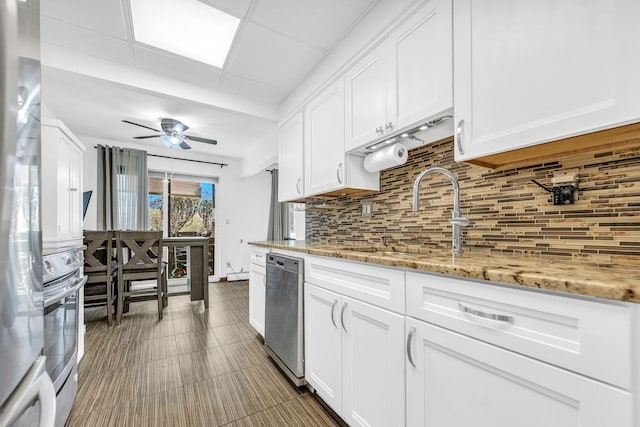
(459, 141)
(389, 125)
(379, 129)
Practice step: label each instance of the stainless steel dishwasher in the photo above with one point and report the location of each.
(284, 314)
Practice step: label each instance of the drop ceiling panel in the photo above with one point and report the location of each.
(84, 41)
(237, 8)
(102, 16)
(317, 23)
(251, 89)
(271, 58)
(175, 67)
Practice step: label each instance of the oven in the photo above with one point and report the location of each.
(63, 280)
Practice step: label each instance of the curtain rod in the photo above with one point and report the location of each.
(186, 160)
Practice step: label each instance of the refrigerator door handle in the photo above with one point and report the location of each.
(36, 386)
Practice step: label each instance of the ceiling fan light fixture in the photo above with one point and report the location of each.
(171, 140)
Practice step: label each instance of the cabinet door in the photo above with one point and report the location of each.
(64, 187)
(324, 141)
(458, 381)
(422, 66)
(366, 97)
(322, 347)
(291, 159)
(532, 72)
(75, 195)
(373, 365)
(257, 292)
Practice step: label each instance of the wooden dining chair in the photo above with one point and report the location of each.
(98, 267)
(139, 255)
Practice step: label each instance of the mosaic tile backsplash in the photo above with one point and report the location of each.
(509, 213)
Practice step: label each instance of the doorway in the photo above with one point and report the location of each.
(182, 205)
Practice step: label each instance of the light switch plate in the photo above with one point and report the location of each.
(367, 209)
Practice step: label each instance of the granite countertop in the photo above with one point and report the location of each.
(616, 282)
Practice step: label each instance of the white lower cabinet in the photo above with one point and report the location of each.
(354, 358)
(323, 344)
(257, 296)
(257, 288)
(455, 380)
(437, 351)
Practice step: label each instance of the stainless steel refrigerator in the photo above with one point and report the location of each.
(27, 396)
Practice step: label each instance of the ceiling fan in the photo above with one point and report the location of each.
(172, 134)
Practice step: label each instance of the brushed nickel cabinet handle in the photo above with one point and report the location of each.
(298, 185)
(412, 332)
(344, 307)
(459, 141)
(389, 125)
(333, 306)
(484, 315)
(339, 173)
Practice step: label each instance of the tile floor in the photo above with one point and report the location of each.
(196, 367)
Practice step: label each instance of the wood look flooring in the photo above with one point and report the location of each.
(195, 367)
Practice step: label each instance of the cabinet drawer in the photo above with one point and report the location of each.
(379, 286)
(589, 337)
(259, 256)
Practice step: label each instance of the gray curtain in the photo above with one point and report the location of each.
(122, 189)
(278, 213)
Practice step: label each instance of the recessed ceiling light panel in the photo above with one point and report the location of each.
(185, 27)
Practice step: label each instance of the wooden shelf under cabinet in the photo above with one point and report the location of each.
(622, 136)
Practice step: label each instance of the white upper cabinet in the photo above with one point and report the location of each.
(421, 80)
(291, 159)
(366, 86)
(403, 82)
(324, 141)
(533, 72)
(62, 166)
(327, 167)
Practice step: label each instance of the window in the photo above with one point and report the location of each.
(296, 221)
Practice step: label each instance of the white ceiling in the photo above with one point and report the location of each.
(94, 71)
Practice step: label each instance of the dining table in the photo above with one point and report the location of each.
(198, 259)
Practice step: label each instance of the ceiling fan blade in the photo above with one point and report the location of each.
(180, 127)
(142, 126)
(198, 139)
(185, 146)
(173, 126)
(148, 136)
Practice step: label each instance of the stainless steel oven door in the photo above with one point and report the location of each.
(61, 327)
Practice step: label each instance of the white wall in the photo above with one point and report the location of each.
(243, 201)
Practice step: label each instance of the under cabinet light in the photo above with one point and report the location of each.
(410, 134)
(187, 28)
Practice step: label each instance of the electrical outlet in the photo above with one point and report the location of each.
(367, 209)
